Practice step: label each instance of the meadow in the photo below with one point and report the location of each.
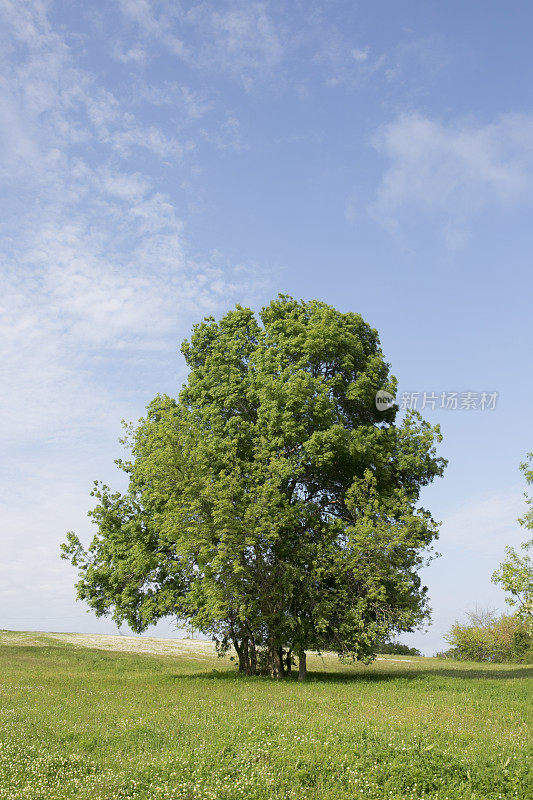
(114, 717)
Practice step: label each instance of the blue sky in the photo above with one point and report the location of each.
(161, 161)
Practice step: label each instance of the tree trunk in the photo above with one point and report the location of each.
(302, 665)
(241, 655)
(246, 663)
(253, 658)
(288, 662)
(276, 665)
(281, 662)
(246, 656)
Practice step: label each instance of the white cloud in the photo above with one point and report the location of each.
(332, 50)
(47, 101)
(361, 54)
(75, 293)
(453, 170)
(252, 42)
(191, 105)
(149, 138)
(155, 21)
(135, 55)
(94, 261)
(486, 525)
(130, 187)
(241, 39)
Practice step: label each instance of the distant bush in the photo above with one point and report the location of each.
(397, 649)
(445, 654)
(488, 637)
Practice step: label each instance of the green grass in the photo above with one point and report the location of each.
(81, 722)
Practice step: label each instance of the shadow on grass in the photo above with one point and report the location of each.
(370, 677)
(442, 672)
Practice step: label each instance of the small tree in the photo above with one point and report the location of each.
(515, 573)
(272, 506)
(487, 636)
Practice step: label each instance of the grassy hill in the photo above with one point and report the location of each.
(106, 717)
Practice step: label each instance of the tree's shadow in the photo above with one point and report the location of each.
(322, 676)
(398, 675)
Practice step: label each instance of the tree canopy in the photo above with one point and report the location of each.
(272, 505)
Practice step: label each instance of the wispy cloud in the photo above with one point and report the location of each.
(485, 525)
(360, 54)
(339, 62)
(251, 42)
(156, 21)
(454, 170)
(94, 259)
(243, 39)
(238, 38)
(48, 104)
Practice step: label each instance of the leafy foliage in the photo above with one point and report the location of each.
(489, 637)
(272, 506)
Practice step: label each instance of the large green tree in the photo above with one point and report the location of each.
(272, 506)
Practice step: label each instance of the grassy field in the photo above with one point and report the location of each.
(106, 717)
